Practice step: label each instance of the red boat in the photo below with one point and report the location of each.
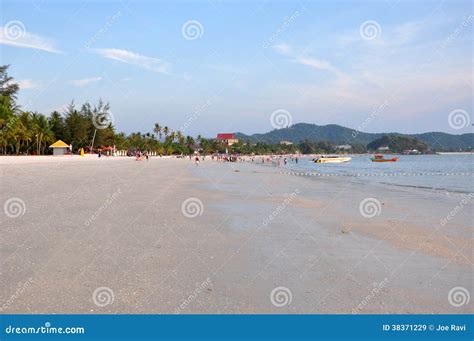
(379, 158)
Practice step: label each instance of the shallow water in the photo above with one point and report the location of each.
(453, 172)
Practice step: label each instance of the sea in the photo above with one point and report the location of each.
(446, 172)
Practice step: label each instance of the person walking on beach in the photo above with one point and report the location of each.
(196, 160)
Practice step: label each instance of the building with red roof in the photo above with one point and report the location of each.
(227, 138)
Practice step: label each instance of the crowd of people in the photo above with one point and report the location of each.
(276, 160)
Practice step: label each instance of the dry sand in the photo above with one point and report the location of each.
(90, 223)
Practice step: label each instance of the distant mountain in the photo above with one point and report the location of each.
(398, 143)
(341, 135)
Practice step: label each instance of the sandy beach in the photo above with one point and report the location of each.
(113, 235)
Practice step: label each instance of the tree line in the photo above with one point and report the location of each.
(31, 133)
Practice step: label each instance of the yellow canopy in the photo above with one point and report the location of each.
(59, 144)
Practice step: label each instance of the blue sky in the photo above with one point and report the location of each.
(218, 66)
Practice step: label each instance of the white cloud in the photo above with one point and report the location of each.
(27, 40)
(315, 63)
(28, 84)
(284, 49)
(85, 81)
(319, 64)
(128, 57)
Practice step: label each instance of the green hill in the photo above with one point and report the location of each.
(398, 144)
(337, 134)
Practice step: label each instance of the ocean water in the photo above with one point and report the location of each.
(451, 172)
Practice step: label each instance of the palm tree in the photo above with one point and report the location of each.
(166, 131)
(18, 134)
(158, 130)
(27, 122)
(43, 133)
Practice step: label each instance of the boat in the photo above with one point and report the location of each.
(380, 158)
(332, 159)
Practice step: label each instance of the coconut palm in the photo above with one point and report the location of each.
(158, 130)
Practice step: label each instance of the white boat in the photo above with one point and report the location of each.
(332, 159)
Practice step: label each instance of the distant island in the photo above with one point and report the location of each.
(338, 135)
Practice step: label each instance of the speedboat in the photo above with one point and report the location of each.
(380, 158)
(332, 159)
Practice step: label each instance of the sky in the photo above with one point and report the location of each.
(213, 66)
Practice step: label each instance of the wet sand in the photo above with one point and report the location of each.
(114, 223)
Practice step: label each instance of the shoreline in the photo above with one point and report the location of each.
(256, 230)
